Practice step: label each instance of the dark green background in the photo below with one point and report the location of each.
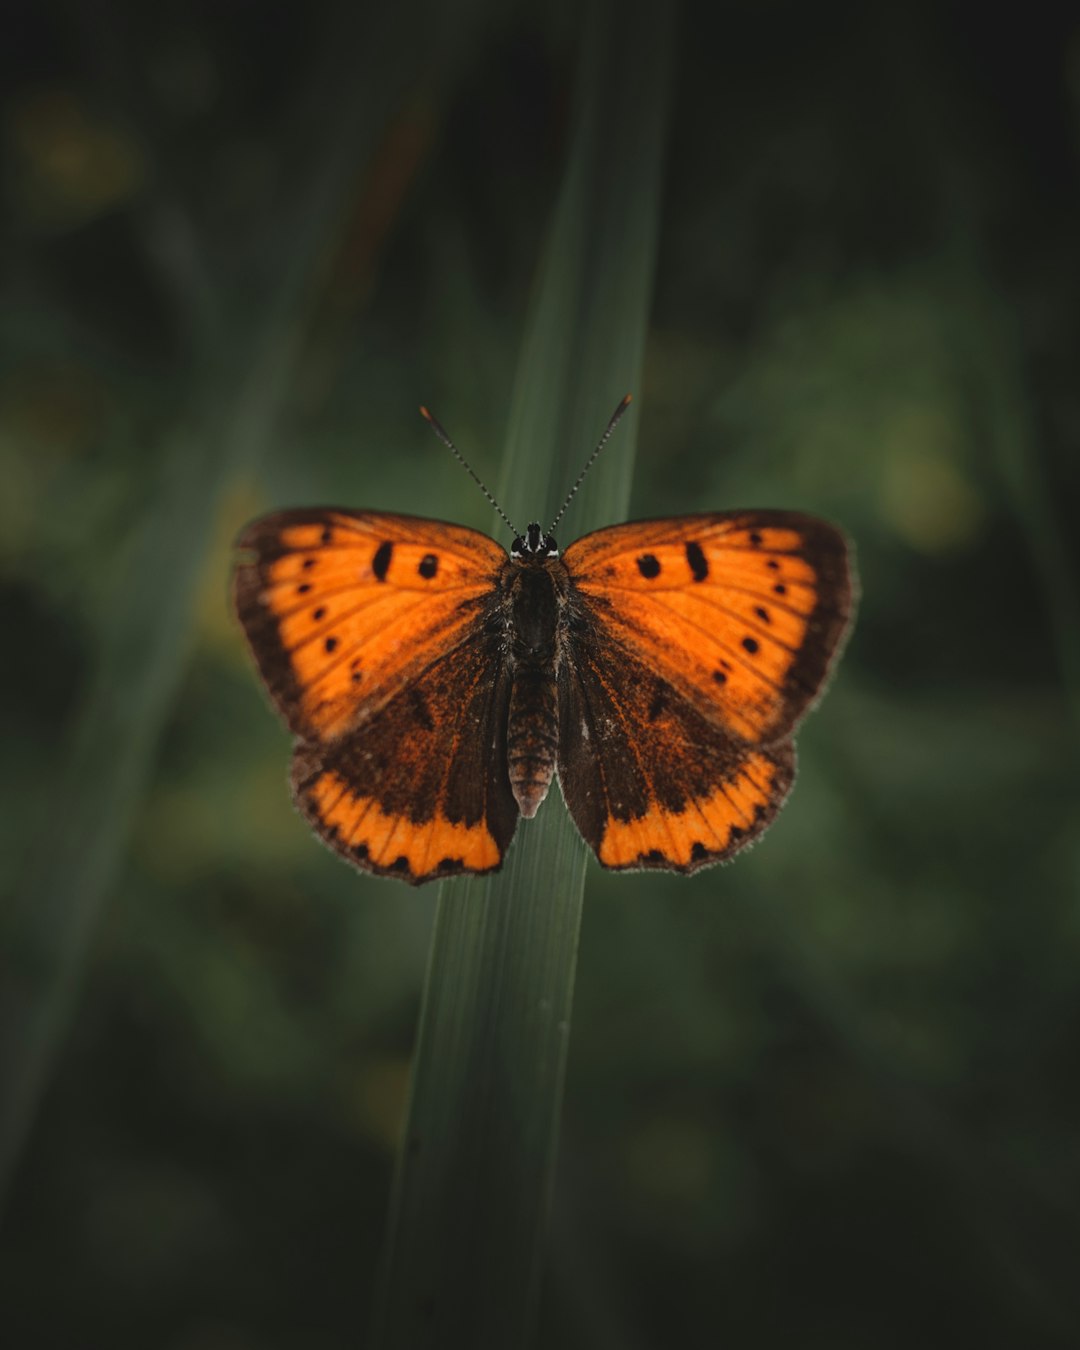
(826, 1096)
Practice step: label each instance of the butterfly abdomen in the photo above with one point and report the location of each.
(532, 736)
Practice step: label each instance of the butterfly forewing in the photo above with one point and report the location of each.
(343, 609)
(741, 613)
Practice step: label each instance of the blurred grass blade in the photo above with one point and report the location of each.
(232, 411)
(984, 335)
(469, 1207)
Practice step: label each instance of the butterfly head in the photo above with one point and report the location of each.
(534, 543)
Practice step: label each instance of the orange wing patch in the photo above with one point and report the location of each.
(707, 829)
(356, 826)
(741, 614)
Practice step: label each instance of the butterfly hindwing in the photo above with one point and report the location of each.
(420, 790)
(741, 613)
(649, 780)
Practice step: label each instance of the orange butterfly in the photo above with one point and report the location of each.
(436, 685)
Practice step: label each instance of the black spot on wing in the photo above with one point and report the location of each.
(428, 566)
(380, 564)
(699, 564)
(649, 566)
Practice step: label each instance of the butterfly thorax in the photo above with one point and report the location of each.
(536, 586)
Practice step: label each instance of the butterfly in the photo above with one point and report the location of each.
(437, 685)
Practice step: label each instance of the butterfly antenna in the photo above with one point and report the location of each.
(612, 424)
(439, 431)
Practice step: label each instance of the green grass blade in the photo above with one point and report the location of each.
(469, 1207)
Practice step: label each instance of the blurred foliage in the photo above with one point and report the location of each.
(825, 1094)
